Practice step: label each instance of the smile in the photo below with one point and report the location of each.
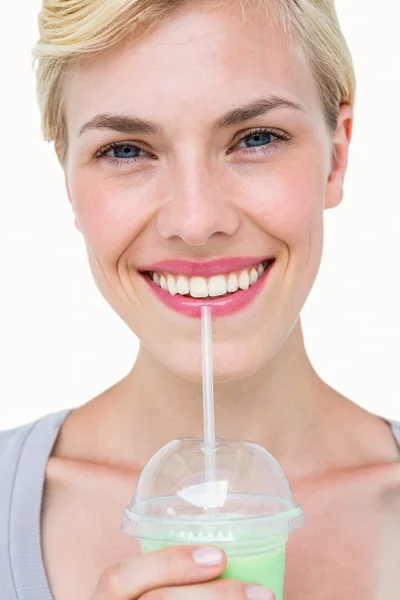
(213, 287)
(227, 292)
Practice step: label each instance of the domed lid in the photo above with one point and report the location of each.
(246, 493)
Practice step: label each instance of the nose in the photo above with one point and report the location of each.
(196, 206)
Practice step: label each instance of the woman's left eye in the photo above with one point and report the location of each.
(125, 151)
(260, 138)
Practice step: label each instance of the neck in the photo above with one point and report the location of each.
(272, 407)
(284, 407)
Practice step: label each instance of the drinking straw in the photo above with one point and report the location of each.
(208, 411)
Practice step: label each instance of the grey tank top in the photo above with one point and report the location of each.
(24, 452)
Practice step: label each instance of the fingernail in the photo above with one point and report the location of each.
(259, 593)
(208, 556)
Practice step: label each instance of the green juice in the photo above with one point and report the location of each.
(264, 568)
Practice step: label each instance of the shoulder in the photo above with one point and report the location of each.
(9, 438)
(11, 445)
(23, 455)
(29, 440)
(12, 442)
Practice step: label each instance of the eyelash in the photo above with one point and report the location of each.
(101, 154)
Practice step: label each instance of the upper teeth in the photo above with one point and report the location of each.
(218, 285)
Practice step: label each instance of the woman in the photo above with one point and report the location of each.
(201, 144)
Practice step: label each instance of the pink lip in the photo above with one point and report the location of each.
(204, 269)
(221, 307)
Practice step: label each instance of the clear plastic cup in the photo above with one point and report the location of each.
(247, 508)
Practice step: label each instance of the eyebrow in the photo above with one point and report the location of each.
(134, 126)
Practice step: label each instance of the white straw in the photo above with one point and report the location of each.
(208, 387)
(208, 407)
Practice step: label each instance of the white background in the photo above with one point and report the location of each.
(60, 342)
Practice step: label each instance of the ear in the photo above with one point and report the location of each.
(340, 154)
(60, 154)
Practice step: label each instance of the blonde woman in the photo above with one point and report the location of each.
(201, 143)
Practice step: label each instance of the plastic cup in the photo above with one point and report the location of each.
(247, 509)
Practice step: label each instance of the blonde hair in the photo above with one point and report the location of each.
(72, 29)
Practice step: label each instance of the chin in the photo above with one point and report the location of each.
(231, 362)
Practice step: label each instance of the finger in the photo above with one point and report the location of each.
(222, 589)
(178, 565)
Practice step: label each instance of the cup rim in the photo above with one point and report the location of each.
(293, 516)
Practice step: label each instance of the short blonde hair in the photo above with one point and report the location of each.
(72, 29)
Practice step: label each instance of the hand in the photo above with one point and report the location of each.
(175, 573)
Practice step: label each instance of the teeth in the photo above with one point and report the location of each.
(171, 285)
(198, 287)
(182, 285)
(244, 280)
(253, 276)
(233, 284)
(219, 285)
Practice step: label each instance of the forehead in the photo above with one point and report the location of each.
(198, 61)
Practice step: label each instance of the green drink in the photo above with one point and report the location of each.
(246, 508)
(266, 569)
(263, 567)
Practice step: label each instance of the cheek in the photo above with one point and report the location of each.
(110, 213)
(287, 202)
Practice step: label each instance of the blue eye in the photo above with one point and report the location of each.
(254, 140)
(264, 139)
(120, 153)
(124, 151)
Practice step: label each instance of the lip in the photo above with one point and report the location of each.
(205, 268)
(221, 307)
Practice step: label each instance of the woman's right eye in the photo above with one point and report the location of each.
(118, 153)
